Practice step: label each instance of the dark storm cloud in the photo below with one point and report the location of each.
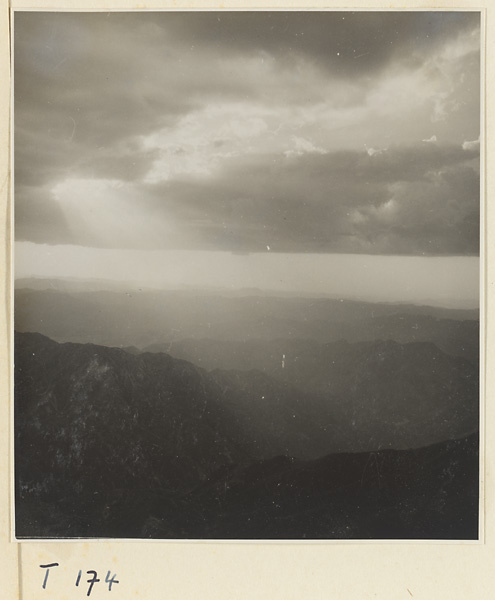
(416, 200)
(435, 215)
(219, 131)
(85, 83)
(39, 219)
(350, 43)
(405, 200)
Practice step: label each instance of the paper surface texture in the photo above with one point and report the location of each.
(184, 570)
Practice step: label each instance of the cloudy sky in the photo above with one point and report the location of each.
(225, 137)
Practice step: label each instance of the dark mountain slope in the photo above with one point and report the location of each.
(428, 493)
(259, 416)
(383, 394)
(93, 424)
(96, 421)
(106, 440)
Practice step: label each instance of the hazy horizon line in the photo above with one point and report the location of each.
(109, 285)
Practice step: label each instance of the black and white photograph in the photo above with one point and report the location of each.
(247, 276)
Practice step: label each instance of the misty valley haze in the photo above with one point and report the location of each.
(247, 274)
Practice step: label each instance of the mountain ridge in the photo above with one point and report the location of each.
(149, 446)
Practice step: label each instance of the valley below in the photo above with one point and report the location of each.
(173, 415)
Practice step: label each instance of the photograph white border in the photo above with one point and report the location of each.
(311, 554)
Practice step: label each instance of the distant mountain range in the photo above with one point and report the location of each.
(305, 363)
(155, 320)
(120, 444)
(78, 284)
